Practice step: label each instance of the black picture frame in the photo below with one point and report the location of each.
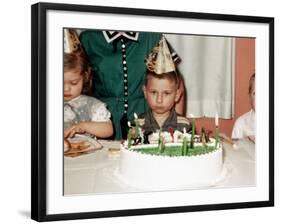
(39, 112)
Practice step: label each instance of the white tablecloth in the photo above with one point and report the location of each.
(97, 172)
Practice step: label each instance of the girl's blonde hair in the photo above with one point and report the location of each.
(78, 61)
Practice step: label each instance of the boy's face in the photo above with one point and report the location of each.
(161, 95)
(73, 84)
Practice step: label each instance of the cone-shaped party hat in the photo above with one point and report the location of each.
(160, 60)
(71, 41)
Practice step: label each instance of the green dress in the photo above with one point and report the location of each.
(118, 72)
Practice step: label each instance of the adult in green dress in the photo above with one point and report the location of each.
(117, 61)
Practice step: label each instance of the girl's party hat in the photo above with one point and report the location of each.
(71, 41)
(161, 60)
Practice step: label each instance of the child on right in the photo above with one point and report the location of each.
(244, 126)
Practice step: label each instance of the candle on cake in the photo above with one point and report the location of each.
(129, 135)
(161, 145)
(159, 136)
(193, 131)
(160, 141)
(137, 126)
(184, 143)
(216, 130)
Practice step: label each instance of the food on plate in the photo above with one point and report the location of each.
(66, 145)
(79, 145)
(75, 147)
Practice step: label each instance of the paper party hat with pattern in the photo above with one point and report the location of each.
(161, 60)
(71, 41)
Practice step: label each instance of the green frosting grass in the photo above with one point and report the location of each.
(175, 150)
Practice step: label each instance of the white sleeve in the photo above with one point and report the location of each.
(100, 113)
(237, 131)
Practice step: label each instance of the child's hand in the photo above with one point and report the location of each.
(71, 131)
(252, 138)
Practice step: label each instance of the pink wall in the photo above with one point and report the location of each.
(244, 68)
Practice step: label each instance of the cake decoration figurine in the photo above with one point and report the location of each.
(171, 131)
(146, 137)
(205, 136)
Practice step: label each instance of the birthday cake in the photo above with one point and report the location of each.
(171, 161)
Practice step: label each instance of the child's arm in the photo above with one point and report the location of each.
(100, 129)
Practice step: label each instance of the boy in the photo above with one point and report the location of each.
(162, 92)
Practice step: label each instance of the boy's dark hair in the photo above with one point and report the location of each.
(78, 60)
(251, 83)
(171, 76)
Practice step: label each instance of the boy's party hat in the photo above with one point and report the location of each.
(161, 60)
(71, 41)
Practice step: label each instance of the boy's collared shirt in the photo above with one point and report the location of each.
(174, 121)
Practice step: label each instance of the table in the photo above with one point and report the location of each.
(96, 172)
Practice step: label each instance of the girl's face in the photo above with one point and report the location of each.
(73, 84)
(161, 95)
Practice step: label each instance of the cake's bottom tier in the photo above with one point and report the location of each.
(151, 172)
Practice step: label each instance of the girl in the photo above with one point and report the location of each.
(82, 114)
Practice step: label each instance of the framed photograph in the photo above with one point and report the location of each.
(139, 111)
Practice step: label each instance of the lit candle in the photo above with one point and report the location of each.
(129, 135)
(137, 125)
(216, 130)
(217, 120)
(193, 131)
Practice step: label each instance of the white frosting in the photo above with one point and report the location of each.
(178, 136)
(154, 172)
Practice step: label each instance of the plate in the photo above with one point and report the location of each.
(81, 144)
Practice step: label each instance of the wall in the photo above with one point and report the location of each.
(244, 68)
